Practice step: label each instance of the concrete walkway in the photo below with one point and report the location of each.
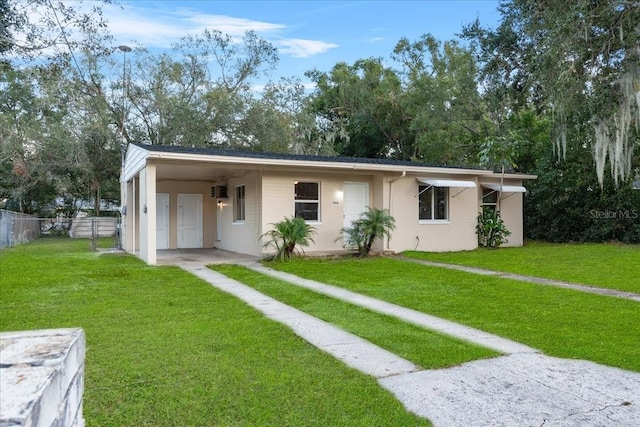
(522, 388)
(424, 320)
(530, 279)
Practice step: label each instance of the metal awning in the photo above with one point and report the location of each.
(447, 182)
(506, 188)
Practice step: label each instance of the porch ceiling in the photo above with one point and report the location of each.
(195, 172)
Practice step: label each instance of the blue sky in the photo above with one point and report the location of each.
(308, 34)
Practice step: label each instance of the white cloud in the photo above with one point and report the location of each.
(375, 39)
(227, 24)
(159, 28)
(300, 48)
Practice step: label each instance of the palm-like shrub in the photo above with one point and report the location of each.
(373, 224)
(286, 235)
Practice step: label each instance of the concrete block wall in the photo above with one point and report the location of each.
(42, 378)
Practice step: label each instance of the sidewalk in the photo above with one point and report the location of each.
(530, 279)
(522, 388)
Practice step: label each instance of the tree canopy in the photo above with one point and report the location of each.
(580, 62)
(553, 90)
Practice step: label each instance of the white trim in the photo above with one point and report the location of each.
(135, 160)
(447, 182)
(505, 188)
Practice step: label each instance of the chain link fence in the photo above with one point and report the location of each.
(17, 228)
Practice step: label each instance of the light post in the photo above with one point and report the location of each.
(123, 144)
(124, 49)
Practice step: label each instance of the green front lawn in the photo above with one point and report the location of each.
(427, 349)
(613, 266)
(560, 322)
(166, 349)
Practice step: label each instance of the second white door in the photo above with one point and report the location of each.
(189, 221)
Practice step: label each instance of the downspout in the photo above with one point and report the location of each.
(133, 225)
(404, 174)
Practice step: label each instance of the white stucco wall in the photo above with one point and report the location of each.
(241, 236)
(278, 203)
(455, 234)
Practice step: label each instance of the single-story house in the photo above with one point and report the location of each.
(181, 197)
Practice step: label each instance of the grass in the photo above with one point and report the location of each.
(613, 266)
(424, 348)
(164, 348)
(560, 322)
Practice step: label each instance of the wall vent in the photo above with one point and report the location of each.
(219, 192)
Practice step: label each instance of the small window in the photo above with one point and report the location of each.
(307, 201)
(489, 200)
(433, 203)
(239, 205)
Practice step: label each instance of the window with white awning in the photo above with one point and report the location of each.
(505, 188)
(440, 183)
(437, 182)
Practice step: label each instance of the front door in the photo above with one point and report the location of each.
(189, 221)
(356, 200)
(162, 221)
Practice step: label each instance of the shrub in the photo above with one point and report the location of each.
(286, 235)
(491, 230)
(372, 224)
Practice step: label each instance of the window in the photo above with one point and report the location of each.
(238, 204)
(307, 201)
(433, 203)
(489, 200)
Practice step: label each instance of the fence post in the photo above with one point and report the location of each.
(11, 231)
(93, 234)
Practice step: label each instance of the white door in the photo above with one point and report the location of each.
(189, 221)
(162, 221)
(355, 201)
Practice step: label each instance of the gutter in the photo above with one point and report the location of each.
(403, 175)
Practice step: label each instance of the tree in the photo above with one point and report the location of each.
(442, 100)
(499, 151)
(362, 104)
(580, 61)
(425, 108)
(197, 94)
(373, 224)
(286, 235)
(37, 29)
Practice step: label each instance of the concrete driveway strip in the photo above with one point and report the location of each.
(424, 320)
(522, 390)
(344, 346)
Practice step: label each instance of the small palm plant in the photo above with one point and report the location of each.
(286, 235)
(373, 224)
